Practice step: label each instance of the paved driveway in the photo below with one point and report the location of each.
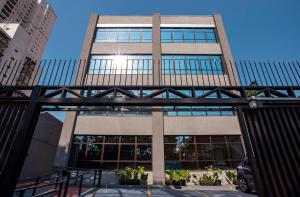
(160, 191)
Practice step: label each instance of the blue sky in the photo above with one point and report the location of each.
(257, 29)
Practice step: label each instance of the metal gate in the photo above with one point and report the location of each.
(272, 136)
(270, 132)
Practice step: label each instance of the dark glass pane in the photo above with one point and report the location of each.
(170, 139)
(233, 138)
(95, 139)
(123, 165)
(112, 139)
(219, 152)
(202, 139)
(110, 152)
(144, 152)
(188, 152)
(218, 139)
(77, 153)
(127, 152)
(109, 165)
(144, 139)
(128, 139)
(236, 151)
(94, 152)
(204, 152)
(189, 165)
(80, 138)
(222, 164)
(173, 165)
(203, 164)
(171, 152)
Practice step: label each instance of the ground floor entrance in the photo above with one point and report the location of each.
(192, 152)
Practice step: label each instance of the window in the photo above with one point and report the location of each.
(188, 35)
(124, 35)
(111, 152)
(191, 65)
(197, 152)
(120, 64)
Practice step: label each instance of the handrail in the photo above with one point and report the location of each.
(79, 178)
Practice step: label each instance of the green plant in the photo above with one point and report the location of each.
(211, 177)
(231, 176)
(178, 177)
(130, 176)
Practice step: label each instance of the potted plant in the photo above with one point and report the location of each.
(130, 176)
(231, 176)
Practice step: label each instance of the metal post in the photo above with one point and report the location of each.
(76, 177)
(99, 177)
(14, 162)
(67, 185)
(35, 184)
(21, 193)
(80, 185)
(60, 188)
(95, 176)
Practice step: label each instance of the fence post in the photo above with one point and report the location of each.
(80, 185)
(14, 161)
(99, 178)
(35, 184)
(95, 176)
(60, 188)
(76, 177)
(67, 185)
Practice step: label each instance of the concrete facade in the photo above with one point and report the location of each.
(45, 138)
(157, 124)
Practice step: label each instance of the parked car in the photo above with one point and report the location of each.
(245, 177)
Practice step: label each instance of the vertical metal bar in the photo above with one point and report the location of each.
(265, 78)
(67, 184)
(243, 72)
(60, 189)
(11, 73)
(80, 185)
(297, 73)
(295, 78)
(291, 81)
(62, 71)
(35, 184)
(46, 74)
(235, 77)
(14, 162)
(282, 72)
(270, 79)
(95, 177)
(275, 66)
(72, 73)
(99, 177)
(272, 72)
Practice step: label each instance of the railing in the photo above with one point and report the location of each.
(60, 183)
(195, 72)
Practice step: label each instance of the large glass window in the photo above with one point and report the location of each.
(111, 152)
(188, 35)
(120, 64)
(124, 35)
(197, 152)
(191, 64)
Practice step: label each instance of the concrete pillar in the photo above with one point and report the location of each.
(158, 158)
(158, 164)
(230, 68)
(65, 140)
(64, 146)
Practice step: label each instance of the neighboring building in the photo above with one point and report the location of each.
(137, 50)
(27, 25)
(43, 147)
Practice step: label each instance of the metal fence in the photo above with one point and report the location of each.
(110, 72)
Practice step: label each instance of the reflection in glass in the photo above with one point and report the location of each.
(127, 152)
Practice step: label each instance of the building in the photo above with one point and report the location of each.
(26, 25)
(45, 137)
(150, 50)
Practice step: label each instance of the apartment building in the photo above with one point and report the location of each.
(153, 51)
(26, 25)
